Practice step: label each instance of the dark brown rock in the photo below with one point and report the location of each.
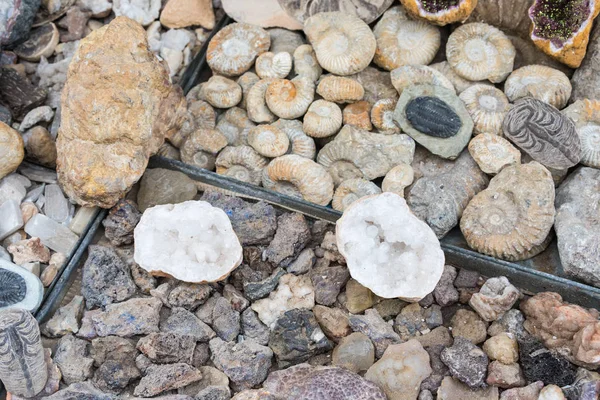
(290, 239)
(184, 322)
(328, 281)
(18, 94)
(121, 221)
(167, 347)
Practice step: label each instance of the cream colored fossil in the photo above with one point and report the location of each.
(300, 143)
(340, 89)
(199, 115)
(233, 50)
(358, 114)
(512, 219)
(343, 43)
(169, 151)
(290, 99)
(351, 190)
(256, 105)
(487, 107)
(460, 84)
(323, 119)
(221, 92)
(242, 163)
(398, 178)
(382, 116)
(401, 40)
(235, 125)
(543, 83)
(268, 141)
(478, 51)
(492, 153)
(201, 147)
(246, 81)
(300, 177)
(271, 65)
(586, 116)
(306, 63)
(410, 75)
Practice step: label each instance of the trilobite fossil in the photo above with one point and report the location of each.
(13, 287)
(433, 117)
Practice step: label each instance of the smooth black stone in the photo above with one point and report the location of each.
(12, 288)
(431, 116)
(540, 364)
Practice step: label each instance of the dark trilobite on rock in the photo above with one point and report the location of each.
(13, 288)
(19, 288)
(433, 117)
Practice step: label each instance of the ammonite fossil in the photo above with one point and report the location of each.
(540, 82)
(544, 133)
(586, 116)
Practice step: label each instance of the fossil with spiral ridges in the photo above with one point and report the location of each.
(544, 133)
(586, 116)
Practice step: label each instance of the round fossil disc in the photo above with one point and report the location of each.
(541, 131)
(367, 10)
(42, 42)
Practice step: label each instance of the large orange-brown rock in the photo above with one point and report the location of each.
(11, 149)
(118, 105)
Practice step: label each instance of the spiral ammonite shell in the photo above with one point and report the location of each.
(512, 218)
(382, 116)
(351, 190)
(586, 116)
(540, 82)
(300, 143)
(242, 163)
(541, 131)
(487, 106)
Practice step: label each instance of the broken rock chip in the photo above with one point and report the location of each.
(191, 241)
(388, 249)
(263, 13)
(132, 317)
(113, 69)
(160, 378)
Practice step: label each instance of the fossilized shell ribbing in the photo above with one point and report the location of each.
(256, 105)
(268, 141)
(492, 153)
(221, 92)
(199, 115)
(300, 143)
(290, 99)
(540, 82)
(201, 147)
(460, 84)
(322, 119)
(478, 51)
(242, 163)
(382, 116)
(487, 106)
(271, 65)
(351, 190)
(300, 177)
(235, 125)
(586, 116)
(513, 217)
(410, 75)
(398, 179)
(246, 81)
(340, 90)
(306, 63)
(404, 41)
(543, 132)
(358, 114)
(344, 44)
(507, 15)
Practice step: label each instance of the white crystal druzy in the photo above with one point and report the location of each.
(388, 249)
(191, 241)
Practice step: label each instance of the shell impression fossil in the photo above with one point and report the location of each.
(356, 153)
(300, 177)
(340, 89)
(268, 141)
(478, 51)
(440, 12)
(351, 190)
(398, 179)
(562, 29)
(202, 146)
(492, 153)
(290, 99)
(513, 217)
(410, 75)
(540, 82)
(358, 114)
(232, 51)
(323, 119)
(343, 43)
(436, 118)
(235, 125)
(242, 163)
(541, 131)
(487, 107)
(440, 200)
(404, 41)
(382, 116)
(199, 115)
(586, 116)
(273, 65)
(20, 288)
(300, 143)
(367, 10)
(221, 92)
(306, 63)
(256, 105)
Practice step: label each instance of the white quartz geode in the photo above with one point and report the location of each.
(190, 241)
(388, 249)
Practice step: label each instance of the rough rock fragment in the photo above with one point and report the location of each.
(529, 392)
(138, 316)
(184, 13)
(327, 282)
(167, 347)
(226, 321)
(502, 347)
(494, 298)
(469, 325)
(160, 378)
(184, 322)
(291, 237)
(334, 322)
(380, 332)
(453, 389)
(505, 376)
(540, 364)
(72, 358)
(354, 352)
(467, 362)
(163, 186)
(253, 328)
(66, 319)
(586, 78)
(81, 390)
(11, 149)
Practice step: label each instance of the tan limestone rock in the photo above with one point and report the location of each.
(11, 149)
(184, 13)
(263, 13)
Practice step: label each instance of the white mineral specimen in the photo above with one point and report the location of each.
(191, 241)
(141, 11)
(388, 249)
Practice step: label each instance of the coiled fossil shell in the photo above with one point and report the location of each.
(440, 12)
(460, 84)
(351, 190)
(541, 131)
(232, 51)
(398, 179)
(221, 92)
(340, 90)
(256, 105)
(410, 75)
(271, 65)
(199, 115)
(478, 51)
(358, 114)
(355, 153)
(382, 116)
(404, 41)
(586, 116)
(201, 147)
(234, 124)
(507, 15)
(300, 143)
(543, 83)
(242, 163)
(290, 99)
(306, 63)
(300, 177)
(377, 84)
(268, 141)
(439, 200)
(246, 81)
(169, 151)
(367, 10)
(513, 217)
(322, 119)
(492, 153)
(487, 107)
(344, 44)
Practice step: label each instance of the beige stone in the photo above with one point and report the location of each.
(334, 322)
(502, 347)
(264, 13)
(184, 13)
(11, 149)
(453, 389)
(118, 105)
(40, 146)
